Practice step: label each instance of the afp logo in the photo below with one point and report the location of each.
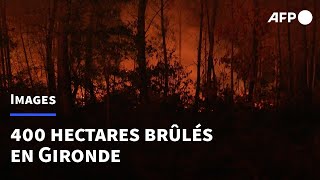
(304, 17)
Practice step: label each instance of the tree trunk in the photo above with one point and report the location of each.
(26, 58)
(180, 32)
(51, 79)
(64, 79)
(1, 76)
(197, 96)
(164, 46)
(211, 76)
(3, 70)
(205, 56)
(88, 63)
(278, 69)
(306, 86)
(290, 68)
(232, 54)
(314, 45)
(141, 46)
(7, 44)
(5, 48)
(2, 58)
(3, 66)
(255, 59)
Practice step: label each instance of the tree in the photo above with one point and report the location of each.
(5, 47)
(211, 89)
(197, 95)
(141, 47)
(51, 78)
(314, 45)
(254, 63)
(164, 46)
(64, 79)
(306, 88)
(290, 67)
(26, 58)
(278, 68)
(232, 54)
(89, 59)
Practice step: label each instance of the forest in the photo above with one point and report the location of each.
(91, 51)
(151, 63)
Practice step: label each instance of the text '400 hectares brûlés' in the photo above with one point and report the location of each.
(33, 100)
